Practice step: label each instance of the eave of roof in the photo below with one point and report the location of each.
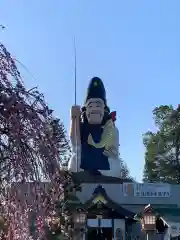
(109, 203)
(71, 203)
(168, 211)
(85, 177)
(163, 211)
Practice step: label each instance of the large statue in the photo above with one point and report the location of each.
(94, 137)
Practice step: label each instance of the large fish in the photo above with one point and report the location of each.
(107, 138)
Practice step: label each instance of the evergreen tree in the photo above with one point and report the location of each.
(125, 174)
(162, 155)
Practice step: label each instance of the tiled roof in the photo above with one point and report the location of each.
(168, 211)
(110, 203)
(85, 177)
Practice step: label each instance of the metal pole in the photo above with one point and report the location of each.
(75, 98)
(75, 72)
(150, 235)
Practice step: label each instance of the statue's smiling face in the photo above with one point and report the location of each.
(95, 110)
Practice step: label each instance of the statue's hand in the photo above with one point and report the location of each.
(90, 140)
(110, 152)
(75, 111)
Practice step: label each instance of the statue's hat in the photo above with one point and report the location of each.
(96, 90)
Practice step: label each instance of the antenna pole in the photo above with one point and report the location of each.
(75, 74)
(75, 98)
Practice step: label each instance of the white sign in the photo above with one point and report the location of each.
(103, 222)
(92, 222)
(106, 223)
(160, 190)
(152, 190)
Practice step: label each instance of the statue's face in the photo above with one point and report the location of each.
(95, 110)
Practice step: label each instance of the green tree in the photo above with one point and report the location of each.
(162, 154)
(125, 174)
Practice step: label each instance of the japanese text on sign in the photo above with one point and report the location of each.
(146, 190)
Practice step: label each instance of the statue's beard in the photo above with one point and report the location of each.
(94, 118)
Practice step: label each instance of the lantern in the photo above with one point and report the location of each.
(80, 218)
(148, 220)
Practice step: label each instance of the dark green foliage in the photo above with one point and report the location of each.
(162, 155)
(125, 174)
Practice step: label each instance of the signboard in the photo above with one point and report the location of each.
(128, 189)
(106, 223)
(93, 222)
(160, 190)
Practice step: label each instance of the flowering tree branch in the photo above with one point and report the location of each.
(32, 145)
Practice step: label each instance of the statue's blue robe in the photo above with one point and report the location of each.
(92, 158)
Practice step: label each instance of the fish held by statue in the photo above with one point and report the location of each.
(107, 138)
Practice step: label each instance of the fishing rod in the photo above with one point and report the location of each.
(75, 72)
(75, 100)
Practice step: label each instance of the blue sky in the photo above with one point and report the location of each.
(132, 45)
